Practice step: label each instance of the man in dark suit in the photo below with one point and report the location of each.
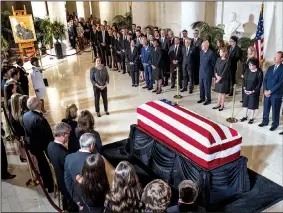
(185, 36)
(188, 66)
(206, 72)
(103, 39)
(94, 41)
(176, 57)
(57, 153)
(170, 38)
(23, 77)
(146, 57)
(134, 26)
(164, 44)
(235, 54)
(157, 66)
(124, 45)
(38, 136)
(74, 162)
(273, 92)
(197, 41)
(72, 33)
(188, 193)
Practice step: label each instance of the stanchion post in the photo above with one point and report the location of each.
(232, 119)
(178, 96)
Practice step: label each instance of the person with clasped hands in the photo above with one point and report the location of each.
(273, 91)
(99, 78)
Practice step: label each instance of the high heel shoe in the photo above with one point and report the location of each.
(221, 109)
(216, 107)
(251, 121)
(244, 119)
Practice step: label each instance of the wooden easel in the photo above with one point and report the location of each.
(26, 45)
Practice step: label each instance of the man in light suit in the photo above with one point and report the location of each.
(273, 92)
(146, 57)
(188, 66)
(206, 71)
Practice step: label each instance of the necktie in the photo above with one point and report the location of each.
(275, 68)
(231, 49)
(176, 50)
(187, 51)
(162, 40)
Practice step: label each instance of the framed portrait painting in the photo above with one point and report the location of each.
(23, 28)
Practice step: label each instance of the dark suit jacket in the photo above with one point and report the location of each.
(94, 37)
(234, 57)
(165, 45)
(207, 63)
(146, 55)
(73, 166)
(100, 38)
(171, 42)
(138, 45)
(174, 56)
(274, 81)
(157, 59)
(38, 131)
(132, 57)
(23, 79)
(57, 154)
(198, 43)
(189, 60)
(186, 208)
(72, 31)
(222, 68)
(74, 144)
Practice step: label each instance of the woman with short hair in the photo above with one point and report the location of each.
(86, 125)
(71, 115)
(92, 186)
(125, 192)
(156, 196)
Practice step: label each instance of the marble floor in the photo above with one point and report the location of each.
(69, 83)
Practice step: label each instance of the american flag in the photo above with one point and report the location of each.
(259, 39)
(207, 143)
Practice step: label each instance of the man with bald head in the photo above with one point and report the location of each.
(38, 136)
(206, 72)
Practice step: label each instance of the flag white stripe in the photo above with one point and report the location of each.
(188, 147)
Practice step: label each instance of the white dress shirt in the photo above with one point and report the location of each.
(37, 78)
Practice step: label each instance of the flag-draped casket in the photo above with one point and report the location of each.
(206, 142)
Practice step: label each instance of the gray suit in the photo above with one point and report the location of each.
(188, 65)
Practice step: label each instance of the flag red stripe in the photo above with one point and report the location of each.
(186, 138)
(201, 162)
(211, 123)
(184, 121)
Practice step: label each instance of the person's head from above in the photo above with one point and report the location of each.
(94, 182)
(278, 58)
(253, 63)
(185, 33)
(134, 26)
(223, 53)
(138, 33)
(62, 132)
(34, 103)
(15, 74)
(251, 51)
(20, 62)
(15, 106)
(196, 33)
(220, 43)
(155, 43)
(23, 104)
(6, 73)
(156, 34)
(233, 41)
(177, 40)
(71, 111)
(162, 33)
(34, 61)
(156, 196)
(87, 142)
(86, 121)
(205, 45)
(10, 90)
(98, 62)
(133, 43)
(188, 192)
(188, 42)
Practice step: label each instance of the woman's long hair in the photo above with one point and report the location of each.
(23, 104)
(86, 121)
(125, 193)
(15, 106)
(95, 184)
(71, 111)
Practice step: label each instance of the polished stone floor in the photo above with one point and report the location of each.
(69, 83)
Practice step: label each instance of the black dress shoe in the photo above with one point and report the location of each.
(184, 90)
(150, 88)
(123, 72)
(165, 85)
(23, 160)
(159, 91)
(207, 102)
(8, 176)
(281, 133)
(251, 121)
(216, 107)
(221, 109)
(136, 85)
(241, 101)
(98, 114)
(262, 125)
(154, 90)
(133, 85)
(244, 119)
(200, 101)
(191, 91)
(107, 113)
(145, 87)
(273, 128)
(172, 87)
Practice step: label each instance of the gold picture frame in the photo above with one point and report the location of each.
(23, 28)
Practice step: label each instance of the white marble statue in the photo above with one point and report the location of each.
(233, 27)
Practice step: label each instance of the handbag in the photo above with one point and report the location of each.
(45, 82)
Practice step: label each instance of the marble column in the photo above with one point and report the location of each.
(140, 12)
(39, 9)
(106, 11)
(83, 9)
(57, 12)
(190, 13)
(95, 9)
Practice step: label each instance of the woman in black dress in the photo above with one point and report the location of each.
(157, 66)
(132, 59)
(118, 52)
(71, 115)
(221, 71)
(92, 186)
(252, 83)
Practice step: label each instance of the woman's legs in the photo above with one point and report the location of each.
(159, 85)
(119, 66)
(222, 100)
